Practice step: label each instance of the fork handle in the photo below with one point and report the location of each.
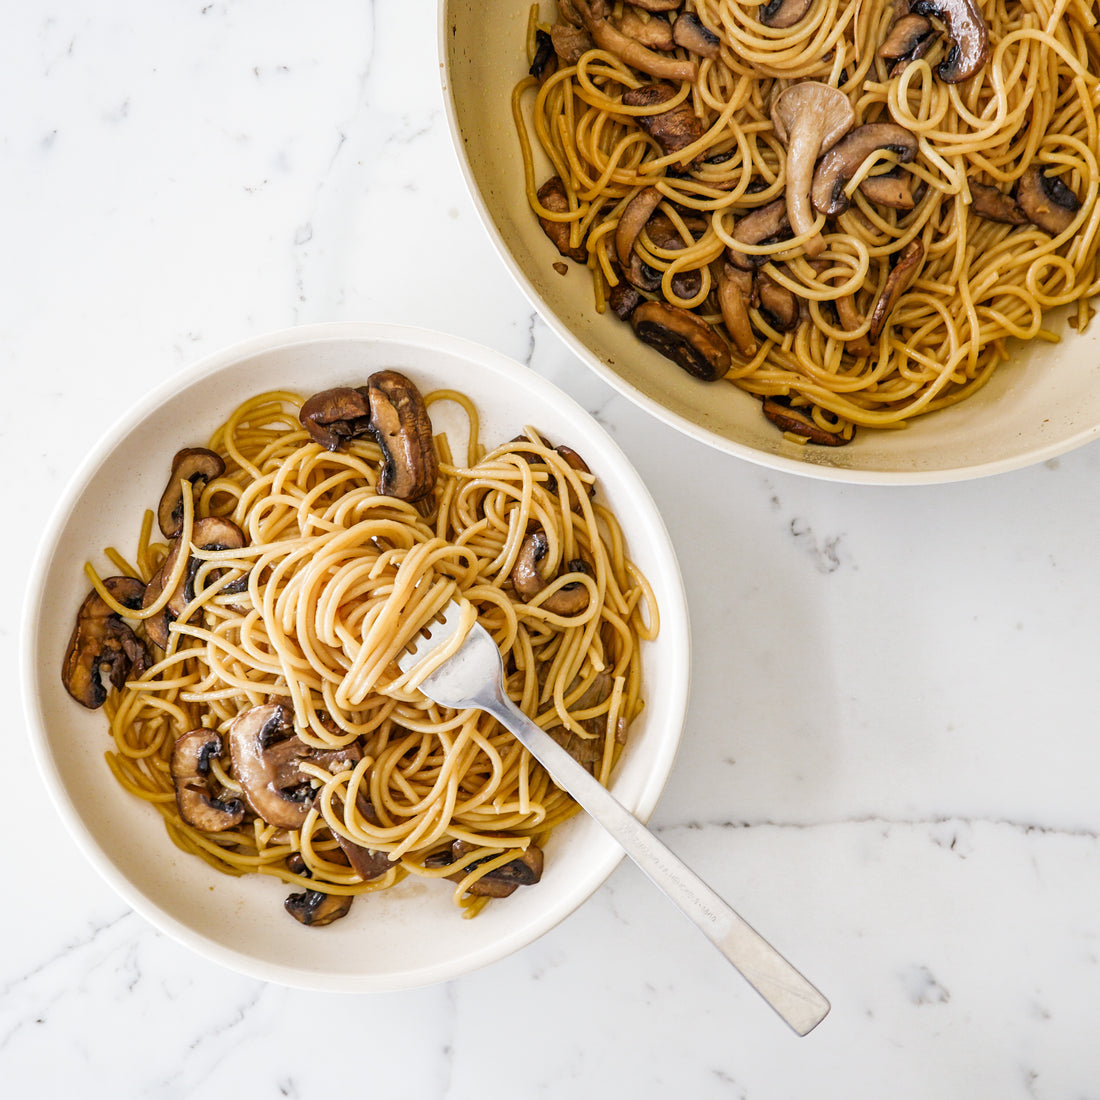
(798, 1002)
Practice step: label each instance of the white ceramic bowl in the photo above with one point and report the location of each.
(412, 935)
(1045, 402)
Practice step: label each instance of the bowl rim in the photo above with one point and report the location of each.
(675, 618)
(778, 462)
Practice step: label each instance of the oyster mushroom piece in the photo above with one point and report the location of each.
(897, 282)
(570, 43)
(654, 33)
(400, 425)
(1046, 200)
(763, 225)
(889, 189)
(735, 293)
(336, 416)
(315, 908)
(810, 117)
(596, 18)
(684, 338)
(102, 646)
(844, 159)
(789, 419)
(194, 464)
(553, 197)
(190, 770)
(632, 221)
(779, 304)
(911, 37)
(968, 32)
(674, 129)
(690, 33)
(781, 14)
(528, 582)
(994, 205)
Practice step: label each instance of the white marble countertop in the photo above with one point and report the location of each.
(891, 757)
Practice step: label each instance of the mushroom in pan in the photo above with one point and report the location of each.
(674, 129)
(655, 33)
(735, 294)
(995, 205)
(898, 281)
(810, 117)
(528, 582)
(844, 159)
(690, 33)
(102, 646)
(1046, 200)
(778, 304)
(570, 43)
(400, 425)
(552, 196)
(683, 337)
(196, 465)
(764, 225)
(595, 15)
(335, 416)
(795, 420)
(968, 32)
(780, 14)
(190, 770)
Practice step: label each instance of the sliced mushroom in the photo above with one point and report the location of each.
(190, 770)
(789, 419)
(595, 16)
(528, 582)
(266, 754)
(553, 197)
(623, 299)
(683, 337)
(844, 159)
(735, 293)
(524, 870)
(336, 416)
(993, 204)
(663, 234)
(632, 220)
(545, 60)
(690, 33)
(911, 37)
(810, 117)
(782, 13)
(655, 33)
(196, 465)
(156, 626)
(658, 5)
(570, 43)
(315, 908)
(968, 32)
(764, 225)
(1046, 200)
(367, 863)
(889, 189)
(400, 425)
(897, 282)
(778, 304)
(102, 646)
(674, 129)
(211, 533)
(586, 750)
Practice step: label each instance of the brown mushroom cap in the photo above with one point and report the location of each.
(781, 14)
(524, 870)
(528, 582)
(315, 908)
(968, 32)
(683, 337)
(810, 117)
(897, 282)
(844, 159)
(401, 427)
(1046, 200)
(190, 770)
(654, 32)
(211, 533)
(911, 37)
(102, 645)
(156, 626)
(674, 129)
(265, 755)
(778, 304)
(993, 204)
(789, 419)
(595, 16)
(335, 416)
(552, 196)
(690, 33)
(195, 464)
(735, 293)
(889, 189)
(632, 220)
(764, 225)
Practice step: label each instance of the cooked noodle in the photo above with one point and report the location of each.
(981, 283)
(339, 580)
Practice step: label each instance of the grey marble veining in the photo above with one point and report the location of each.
(890, 762)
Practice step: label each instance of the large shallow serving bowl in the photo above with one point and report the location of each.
(1045, 402)
(411, 935)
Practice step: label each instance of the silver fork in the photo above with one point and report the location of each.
(473, 676)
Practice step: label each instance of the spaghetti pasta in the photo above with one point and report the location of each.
(923, 257)
(275, 732)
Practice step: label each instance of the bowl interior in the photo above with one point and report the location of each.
(1045, 401)
(413, 934)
